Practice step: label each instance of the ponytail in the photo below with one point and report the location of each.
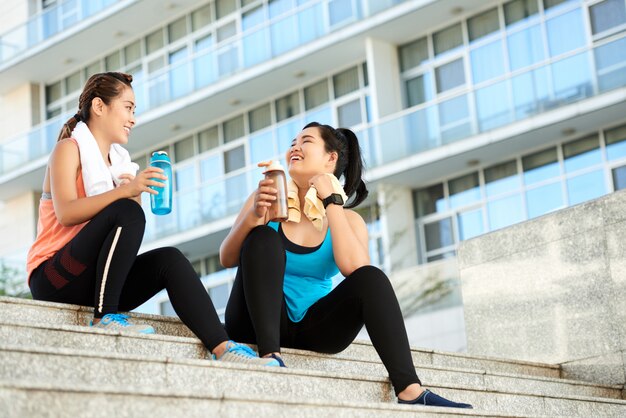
(349, 161)
(105, 86)
(353, 171)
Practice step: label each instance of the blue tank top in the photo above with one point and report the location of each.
(308, 274)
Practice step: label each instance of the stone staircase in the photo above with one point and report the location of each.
(52, 365)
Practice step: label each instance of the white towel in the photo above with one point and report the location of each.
(313, 206)
(97, 176)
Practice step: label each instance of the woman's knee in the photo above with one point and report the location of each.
(370, 280)
(125, 211)
(262, 238)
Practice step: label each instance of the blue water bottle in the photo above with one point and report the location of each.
(161, 204)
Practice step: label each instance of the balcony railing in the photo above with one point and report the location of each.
(46, 24)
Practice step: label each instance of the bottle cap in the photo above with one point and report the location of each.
(159, 153)
(275, 165)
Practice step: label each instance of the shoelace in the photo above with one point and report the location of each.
(119, 318)
(242, 350)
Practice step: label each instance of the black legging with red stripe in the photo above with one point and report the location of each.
(256, 311)
(100, 267)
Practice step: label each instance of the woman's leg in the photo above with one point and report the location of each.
(253, 311)
(91, 269)
(167, 268)
(363, 298)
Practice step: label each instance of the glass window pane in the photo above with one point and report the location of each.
(260, 117)
(132, 52)
(582, 153)
(607, 14)
(531, 92)
(53, 92)
(501, 178)
(219, 295)
(544, 199)
(438, 234)
(483, 24)
(548, 4)
(616, 142)
(454, 119)
(619, 178)
(226, 31)
(487, 61)
(234, 159)
(349, 114)
(72, 83)
(197, 267)
(492, 106)
(185, 177)
(262, 147)
(519, 10)
(92, 69)
(572, 78)
(113, 62)
(585, 187)
(316, 95)
(413, 54)
(540, 166)
(470, 224)
(419, 89)
(154, 41)
(526, 47)
(167, 309)
(225, 7)
(505, 212)
(287, 106)
(448, 39)
(177, 29)
(565, 32)
(208, 139)
(233, 129)
(429, 200)
(611, 64)
(346, 82)
(201, 17)
(285, 133)
(211, 168)
(183, 149)
(464, 190)
(253, 17)
(450, 75)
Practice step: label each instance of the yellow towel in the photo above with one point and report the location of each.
(313, 206)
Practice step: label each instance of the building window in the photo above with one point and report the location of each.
(233, 129)
(177, 29)
(349, 114)
(287, 106)
(419, 89)
(607, 15)
(448, 39)
(413, 54)
(346, 82)
(208, 139)
(201, 17)
(615, 142)
(450, 75)
(316, 95)
(483, 24)
(260, 118)
(154, 41)
(519, 10)
(234, 159)
(184, 149)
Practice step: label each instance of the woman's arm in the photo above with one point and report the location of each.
(350, 239)
(72, 210)
(253, 214)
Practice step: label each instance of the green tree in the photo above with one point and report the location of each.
(12, 282)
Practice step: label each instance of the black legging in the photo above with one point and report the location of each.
(109, 243)
(256, 311)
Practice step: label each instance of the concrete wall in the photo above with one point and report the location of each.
(18, 225)
(552, 290)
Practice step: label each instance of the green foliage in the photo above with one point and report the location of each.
(13, 282)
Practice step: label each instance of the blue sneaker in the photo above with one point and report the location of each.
(119, 322)
(242, 354)
(429, 398)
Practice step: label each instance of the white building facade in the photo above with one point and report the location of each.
(472, 116)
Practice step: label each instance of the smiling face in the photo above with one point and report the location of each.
(118, 117)
(307, 155)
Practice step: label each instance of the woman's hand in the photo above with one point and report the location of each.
(135, 185)
(264, 195)
(323, 185)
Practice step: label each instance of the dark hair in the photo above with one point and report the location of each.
(349, 161)
(106, 86)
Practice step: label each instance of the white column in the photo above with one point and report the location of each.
(397, 219)
(383, 71)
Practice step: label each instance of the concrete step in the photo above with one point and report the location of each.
(215, 379)
(26, 399)
(23, 311)
(104, 342)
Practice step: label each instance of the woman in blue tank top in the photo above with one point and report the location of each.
(282, 295)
